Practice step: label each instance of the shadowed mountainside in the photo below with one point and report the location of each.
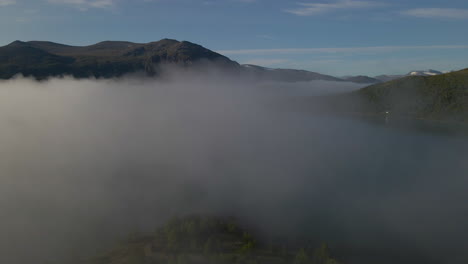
(285, 75)
(442, 96)
(106, 59)
(362, 79)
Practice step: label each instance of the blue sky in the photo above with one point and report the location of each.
(338, 37)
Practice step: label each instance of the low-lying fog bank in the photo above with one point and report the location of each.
(84, 161)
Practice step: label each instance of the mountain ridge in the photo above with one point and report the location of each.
(43, 59)
(429, 72)
(285, 75)
(443, 96)
(361, 79)
(107, 59)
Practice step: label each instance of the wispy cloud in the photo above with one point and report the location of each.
(266, 62)
(310, 9)
(349, 50)
(265, 36)
(7, 2)
(85, 4)
(444, 13)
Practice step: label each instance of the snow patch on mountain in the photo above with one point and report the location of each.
(424, 73)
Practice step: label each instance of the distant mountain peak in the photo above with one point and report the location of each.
(429, 72)
(16, 43)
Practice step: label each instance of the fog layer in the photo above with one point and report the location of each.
(83, 162)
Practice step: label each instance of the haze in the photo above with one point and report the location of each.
(84, 162)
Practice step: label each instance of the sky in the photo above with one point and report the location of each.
(337, 37)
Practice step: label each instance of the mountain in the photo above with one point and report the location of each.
(284, 75)
(208, 240)
(387, 78)
(443, 96)
(361, 79)
(424, 73)
(107, 59)
(42, 59)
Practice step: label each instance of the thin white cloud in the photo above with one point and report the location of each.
(311, 9)
(357, 50)
(265, 36)
(266, 62)
(444, 13)
(7, 2)
(85, 4)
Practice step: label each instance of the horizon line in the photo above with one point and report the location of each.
(285, 51)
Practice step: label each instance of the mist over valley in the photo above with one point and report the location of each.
(85, 162)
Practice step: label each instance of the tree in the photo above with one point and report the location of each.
(247, 248)
(301, 257)
(321, 255)
(208, 247)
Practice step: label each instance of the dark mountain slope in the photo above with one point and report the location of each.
(387, 78)
(23, 54)
(361, 79)
(42, 59)
(442, 96)
(105, 48)
(285, 75)
(20, 57)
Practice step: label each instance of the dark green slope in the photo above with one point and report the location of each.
(42, 59)
(105, 48)
(443, 96)
(440, 98)
(21, 57)
(206, 240)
